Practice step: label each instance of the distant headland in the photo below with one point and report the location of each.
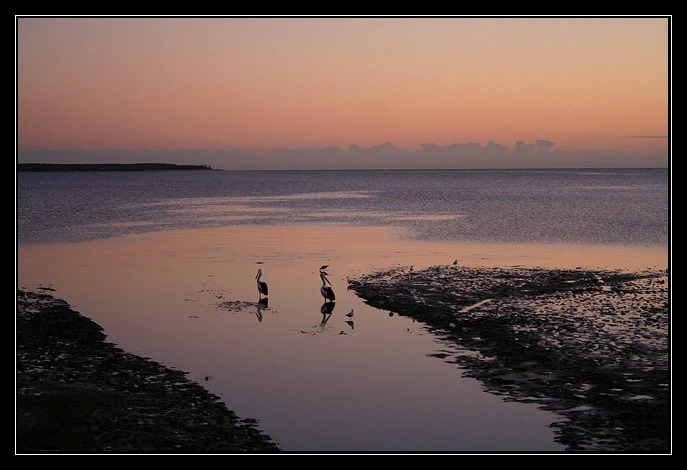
(108, 167)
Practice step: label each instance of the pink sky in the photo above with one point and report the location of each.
(254, 84)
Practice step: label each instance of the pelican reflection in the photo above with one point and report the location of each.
(261, 304)
(326, 310)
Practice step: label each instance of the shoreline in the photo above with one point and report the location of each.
(81, 167)
(590, 345)
(77, 393)
(95, 267)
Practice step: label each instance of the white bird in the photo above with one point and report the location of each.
(326, 291)
(262, 285)
(350, 314)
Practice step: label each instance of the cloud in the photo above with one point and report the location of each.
(545, 144)
(523, 147)
(496, 149)
(468, 155)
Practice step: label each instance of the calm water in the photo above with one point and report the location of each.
(522, 206)
(166, 263)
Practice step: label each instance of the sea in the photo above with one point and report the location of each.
(599, 207)
(166, 262)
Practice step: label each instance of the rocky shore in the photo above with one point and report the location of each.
(76, 393)
(591, 346)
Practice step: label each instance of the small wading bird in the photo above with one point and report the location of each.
(350, 321)
(262, 285)
(326, 291)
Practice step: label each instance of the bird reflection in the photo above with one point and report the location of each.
(326, 310)
(327, 307)
(262, 303)
(350, 323)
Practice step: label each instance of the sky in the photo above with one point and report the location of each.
(345, 92)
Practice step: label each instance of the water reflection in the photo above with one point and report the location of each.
(455, 414)
(261, 304)
(326, 310)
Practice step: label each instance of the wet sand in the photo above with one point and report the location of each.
(592, 346)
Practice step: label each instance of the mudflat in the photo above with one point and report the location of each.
(591, 346)
(80, 394)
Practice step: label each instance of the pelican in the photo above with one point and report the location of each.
(326, 291)
(262, 285)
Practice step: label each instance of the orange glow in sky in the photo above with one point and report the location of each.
(232, 83)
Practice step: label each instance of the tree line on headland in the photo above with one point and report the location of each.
(107, 167)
